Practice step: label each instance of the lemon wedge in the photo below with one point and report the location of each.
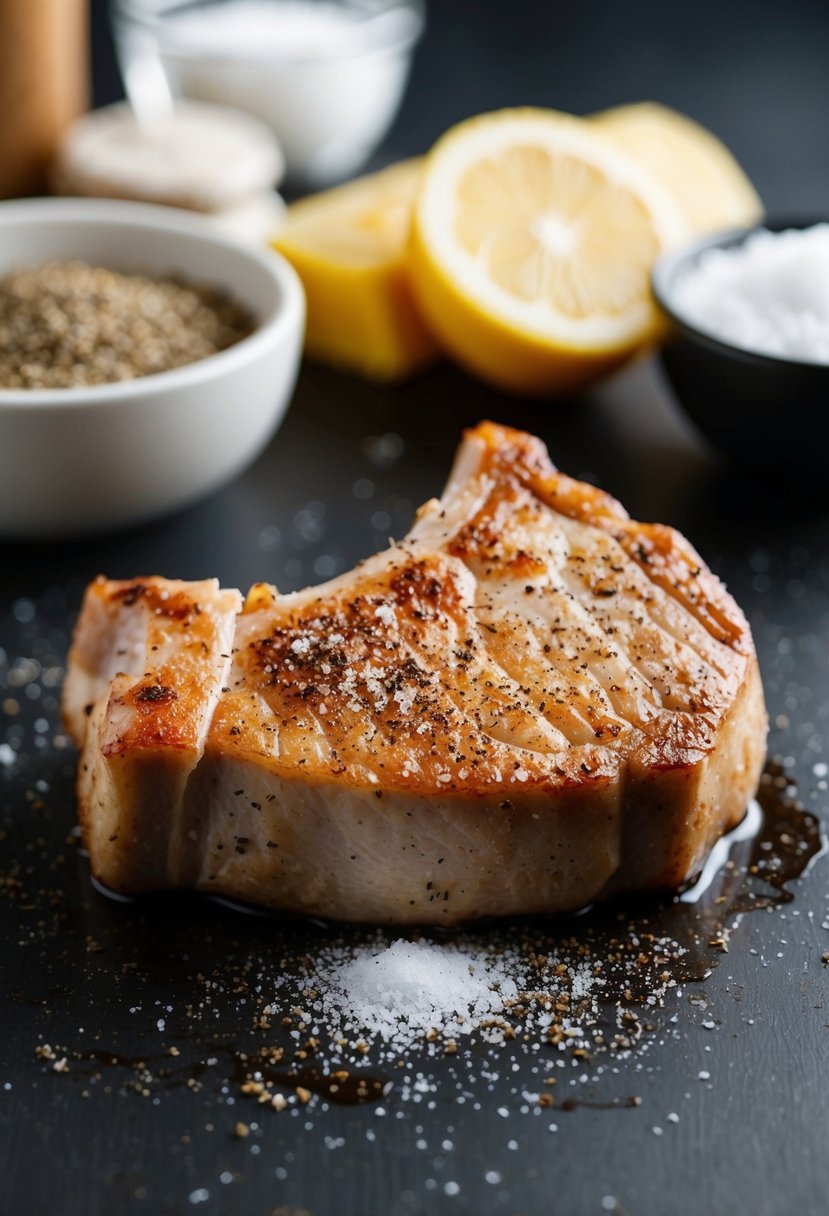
(348, 245)
(531, 249)
(699, 171)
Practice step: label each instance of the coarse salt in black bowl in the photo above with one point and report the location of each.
(763, 411)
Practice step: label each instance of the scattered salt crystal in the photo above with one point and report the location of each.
(769, 294)
(385, 613)
(582, 981)
(7, 756)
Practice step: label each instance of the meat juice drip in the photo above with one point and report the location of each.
(790, 840)
(755, 871)
(631, 1103)
(343, 1087)
(161, 1071)
(157, 1070)
(639, 949)
(768, 850)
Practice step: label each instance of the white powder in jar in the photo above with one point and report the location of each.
(769, 294)
(260, 28)
(327, 77)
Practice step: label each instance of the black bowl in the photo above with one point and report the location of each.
(762, 411)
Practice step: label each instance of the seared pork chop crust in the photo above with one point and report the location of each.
(529, 703)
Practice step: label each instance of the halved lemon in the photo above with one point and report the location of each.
(700, 172)
(531, 248)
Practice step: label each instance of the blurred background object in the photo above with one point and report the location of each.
(44, 85)
(218, 161)
(327, 75)
(349, 247)
(753, 74)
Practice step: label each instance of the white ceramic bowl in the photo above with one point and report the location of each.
(86, 460)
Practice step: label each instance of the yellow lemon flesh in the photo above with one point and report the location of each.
(531, 249)
(348, 246)
(699, 171)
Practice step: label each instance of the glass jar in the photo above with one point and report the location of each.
(327, 75)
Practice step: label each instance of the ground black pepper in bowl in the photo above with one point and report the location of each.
(69, 324)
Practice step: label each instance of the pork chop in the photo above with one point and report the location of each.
(529, 703)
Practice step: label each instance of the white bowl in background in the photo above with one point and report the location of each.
(82, 460)
(328, 78)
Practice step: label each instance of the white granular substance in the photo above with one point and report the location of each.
(402, 998)
(769, 294)
(402, 992)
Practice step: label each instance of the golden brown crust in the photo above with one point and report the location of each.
(411, 677)
(669, 560)
(532, 696)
